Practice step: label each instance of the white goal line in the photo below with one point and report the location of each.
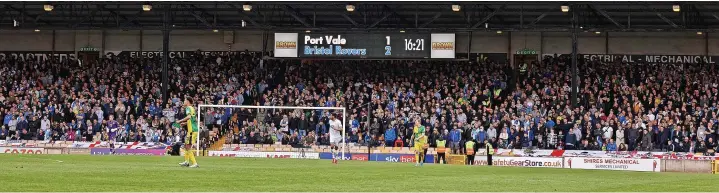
(344, 117)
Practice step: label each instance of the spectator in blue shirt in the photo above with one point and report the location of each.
(389, 136)
(481, 136)
(526, 142)
(550, 124)
(355, 124)
(7, 119)
(611, 146)
(454, 137)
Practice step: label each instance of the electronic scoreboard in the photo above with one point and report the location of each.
(365, 45)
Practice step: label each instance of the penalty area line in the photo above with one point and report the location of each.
(47, 159)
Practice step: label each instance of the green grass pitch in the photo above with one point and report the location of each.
(85, 173)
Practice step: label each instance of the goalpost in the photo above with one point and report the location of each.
(344, 118)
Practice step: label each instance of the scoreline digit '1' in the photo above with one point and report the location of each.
(388, 48)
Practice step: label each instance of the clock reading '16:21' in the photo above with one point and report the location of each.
(409, 45)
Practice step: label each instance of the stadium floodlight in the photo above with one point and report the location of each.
(48, 7)
(456, 7)
(565, 8)
(676, 8)
(146, 7)
(350, 7)
(233, 108)
(247, 7)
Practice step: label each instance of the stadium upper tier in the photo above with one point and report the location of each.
(620, 106)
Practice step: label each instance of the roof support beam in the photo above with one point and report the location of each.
(486, 18)
(670, 22)
(118, 16)
(86, 18)
(198, 17)
(492, 10)
(386, 15)
(401, 18)
(606, 15)
(540, 17)
(348, 18)
(25, 14)
(431, 20)
(295, 14)
(133, 20)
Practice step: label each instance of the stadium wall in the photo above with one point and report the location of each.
(649, 43)
(119, 40)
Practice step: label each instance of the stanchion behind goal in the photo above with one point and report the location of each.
(344, 118)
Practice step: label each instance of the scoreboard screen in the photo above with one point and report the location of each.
(387, 45)
(364, 45)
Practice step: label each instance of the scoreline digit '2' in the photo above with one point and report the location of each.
(388, 48)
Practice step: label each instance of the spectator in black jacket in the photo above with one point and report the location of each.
(22, 127)
(295, 141)
(33, 126)
(303, 125)
(633, 135)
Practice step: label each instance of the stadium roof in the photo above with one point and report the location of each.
(369, 16)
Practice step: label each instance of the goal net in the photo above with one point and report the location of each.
(262, 131)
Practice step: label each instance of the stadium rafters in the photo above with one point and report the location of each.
(367, 16)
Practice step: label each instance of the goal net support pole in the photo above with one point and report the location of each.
(344, 117)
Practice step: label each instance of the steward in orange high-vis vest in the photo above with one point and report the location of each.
(470, 152)
(441, 149)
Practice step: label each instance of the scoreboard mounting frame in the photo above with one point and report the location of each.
(364, 45)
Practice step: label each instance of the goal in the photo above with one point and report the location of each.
(202, 111)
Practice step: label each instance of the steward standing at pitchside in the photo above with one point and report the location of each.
(490, 152)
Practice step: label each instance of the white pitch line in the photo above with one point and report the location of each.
(58, 161)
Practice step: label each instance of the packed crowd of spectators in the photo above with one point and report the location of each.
(657, 107)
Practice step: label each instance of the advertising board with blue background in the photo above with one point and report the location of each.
(382, 157)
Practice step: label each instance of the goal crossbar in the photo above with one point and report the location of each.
(344, 117)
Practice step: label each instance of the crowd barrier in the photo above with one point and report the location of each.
(570, 159)
(688, 166)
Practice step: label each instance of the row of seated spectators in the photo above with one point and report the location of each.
(657, 107)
